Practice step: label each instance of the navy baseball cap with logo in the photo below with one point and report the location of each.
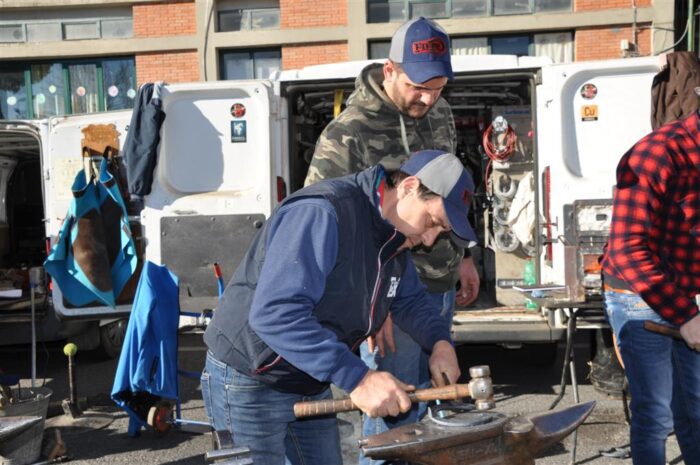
(443, 173)
(422, 48)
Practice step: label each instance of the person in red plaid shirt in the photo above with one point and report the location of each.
(651, 271)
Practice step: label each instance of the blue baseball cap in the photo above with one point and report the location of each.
(422, 48)
(443, 173)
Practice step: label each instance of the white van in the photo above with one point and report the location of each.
(221, 171)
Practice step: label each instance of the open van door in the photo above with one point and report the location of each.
(212, 185)
(63, 160)
(589, 115)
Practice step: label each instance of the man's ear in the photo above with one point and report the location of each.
(408, 186)
(390, 71)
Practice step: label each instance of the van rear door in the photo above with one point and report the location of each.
(62, 161)
(212, 184)
(588, 115)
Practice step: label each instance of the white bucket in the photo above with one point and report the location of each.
(25, 448)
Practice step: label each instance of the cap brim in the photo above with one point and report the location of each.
(462, 232)
(424, 71)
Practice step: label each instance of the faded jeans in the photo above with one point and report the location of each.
(664, 382)
(263, 419)
(409, 364)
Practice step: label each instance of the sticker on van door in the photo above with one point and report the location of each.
(589, 91)
(589, 113)
(238, 131)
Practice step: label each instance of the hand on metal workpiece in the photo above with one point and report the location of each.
(384, 338)
(443, 362)
(691, 332)
(468, 282)
(379, 394)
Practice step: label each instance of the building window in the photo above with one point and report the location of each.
(48, 90)
(12, 33)
(428, 9)
(246, 15)
(254, 64)
(40, 90)
(47, 25)
(465, 8)
(470, 46)
(511, 7)
(384, 11)
(379, 49)
(559, 46)
(13, 94)
(44, 32)
(552, 5)
(510, 45)
(119, 83)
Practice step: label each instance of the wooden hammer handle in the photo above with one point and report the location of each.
(662, 329)
(326, 407)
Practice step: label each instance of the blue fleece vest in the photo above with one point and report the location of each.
(357, 289)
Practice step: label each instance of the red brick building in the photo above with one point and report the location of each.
(67, 56)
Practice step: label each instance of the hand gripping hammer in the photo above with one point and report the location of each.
(479, 388)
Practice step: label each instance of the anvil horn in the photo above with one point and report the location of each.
(550, 428)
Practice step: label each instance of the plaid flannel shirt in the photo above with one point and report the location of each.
(654, 243)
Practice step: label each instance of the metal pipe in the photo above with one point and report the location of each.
(634, 28)
(72, 383)
(691, 25)
(33, 304)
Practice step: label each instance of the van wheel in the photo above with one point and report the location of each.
(112, 338)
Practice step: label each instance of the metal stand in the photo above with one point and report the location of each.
(553, 302)
(570, 364)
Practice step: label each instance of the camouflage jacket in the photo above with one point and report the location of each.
(368, 132)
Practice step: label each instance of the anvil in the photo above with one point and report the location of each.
(476, 438)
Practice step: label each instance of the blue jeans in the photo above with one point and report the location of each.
(409, 364)
(664, 382)
(263, 419)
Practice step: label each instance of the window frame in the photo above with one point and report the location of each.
(26, 69)
(247, 13)
(22, 27)
(251, 52)
(62, 23)
(448, 8)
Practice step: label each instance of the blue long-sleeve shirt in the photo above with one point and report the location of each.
(326, 278)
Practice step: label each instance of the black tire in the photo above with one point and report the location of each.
(112, 338)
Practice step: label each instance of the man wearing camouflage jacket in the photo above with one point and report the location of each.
(395, 110)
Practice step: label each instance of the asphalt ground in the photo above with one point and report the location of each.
(521, 387)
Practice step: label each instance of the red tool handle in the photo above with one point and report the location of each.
(326, 407)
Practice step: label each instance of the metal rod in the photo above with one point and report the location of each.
(72, 383)
(691, 25)
(33, 304)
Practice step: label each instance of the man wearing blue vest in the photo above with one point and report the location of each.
(321, 277)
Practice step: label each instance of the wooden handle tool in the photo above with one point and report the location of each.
(326, 407)
(662, 329)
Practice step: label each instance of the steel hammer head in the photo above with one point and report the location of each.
(481, 387)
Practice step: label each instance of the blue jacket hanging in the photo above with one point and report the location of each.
(94, 254)
(147, 369)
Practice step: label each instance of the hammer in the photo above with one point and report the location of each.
(480, 388)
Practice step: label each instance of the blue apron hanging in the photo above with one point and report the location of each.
(94, 254)
(120, 245)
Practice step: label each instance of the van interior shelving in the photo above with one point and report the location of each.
(475, 102)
